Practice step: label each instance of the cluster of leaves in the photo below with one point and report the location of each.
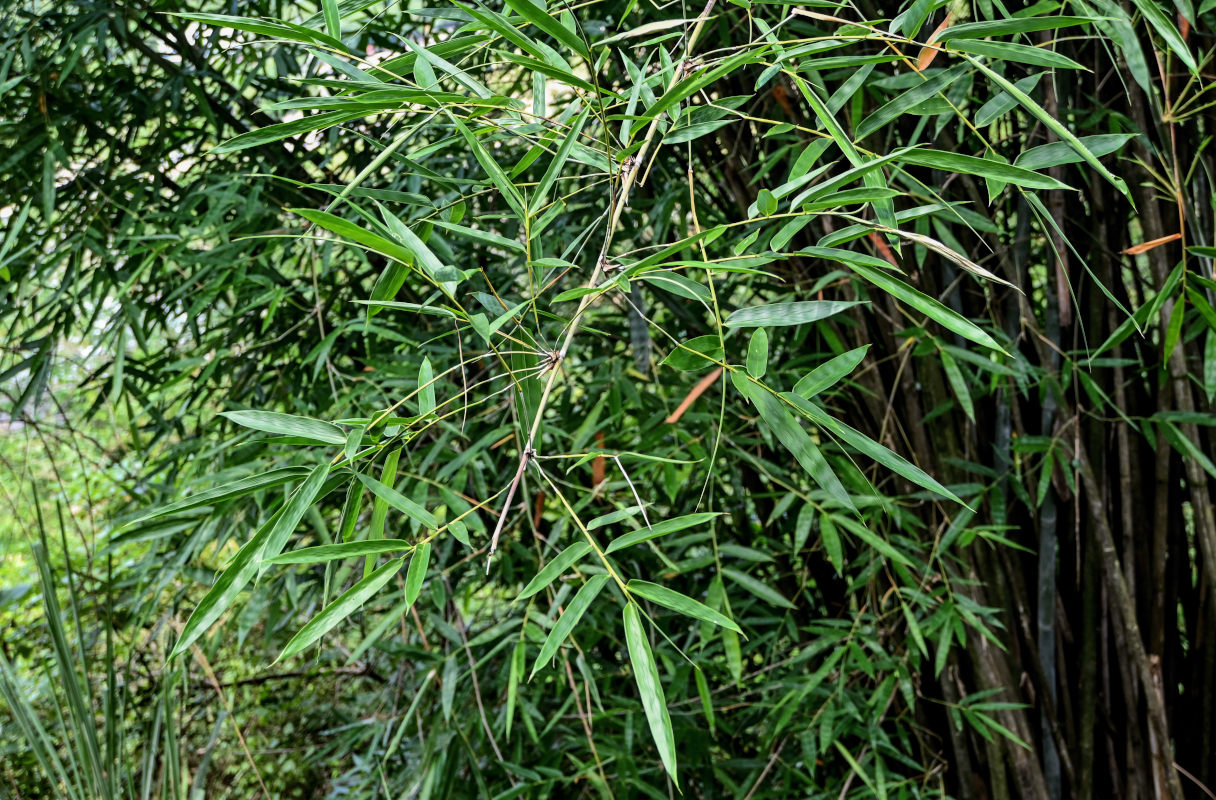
(556, 354)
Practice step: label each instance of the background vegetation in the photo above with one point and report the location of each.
(607, 399)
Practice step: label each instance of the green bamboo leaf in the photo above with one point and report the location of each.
(297, 505)
(698, 81)
(787, 430)
(375, 528)
(1054, 154)
(282, 130)
(898, 106)
(1008, 27)
(797, 313)
(1166, 30)
(707, 702)
(431, 56)
(688, 133)
(493, 171)
(263, 27)
(441, 275)
(1011, 51)
(357, 234)
(947, 318)
(1209, 365)
(680, 603)
(876, 542)
(499, 24)
(288, 425)
(679, 285)
(699, 353)
(416, 574)
(868, 447)
(335, 552)
(541, 19)
(757, 354)
(661, 529)
(830, 123)
(333, 20)
(830, 372)
(1051, 122)
(337, 611)
(646, 673)
(758, 588)
(832, 545)
(351, 507)
(569, 618)
(399, 501)
(558, 565)
(984, 167)
(514, 675)
(478, 235)
(562, 73)
(766, 203)
(1003, 102)
(954, 375)
(559, 161)
(227, 491)
(227, 586)
(426, 387)
(615, 516)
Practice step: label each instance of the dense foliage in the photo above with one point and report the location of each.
(747, 399)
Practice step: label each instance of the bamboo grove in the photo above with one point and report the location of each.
(748, 399)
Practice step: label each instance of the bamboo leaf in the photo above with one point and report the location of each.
(541, 19)
(359, 235)
(335, 552)
(333, 20)
(337, 611)
(227, 586)
(559, 160)
(646, 673)
(555, 567)
(954, 375)
(416, 574)
(493, 171)
(1011, 51)
(832, 545)
(297, 505)
(757, 354)
(282, 130)
(798, 313)
(830, 372)
(682, 604)
(1008, 27)
(228, 491)
(1167, 31)
(426, 387)
(1054, 154)
(1054, 124)
(934, 310)
(787, 430)
(569, 618)
(984, 167)
(870, 448)
(479, 235)
(758, 588)
(661, 529)
(288, 425)
(897, 107)
(399, 501)
(699, 353)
